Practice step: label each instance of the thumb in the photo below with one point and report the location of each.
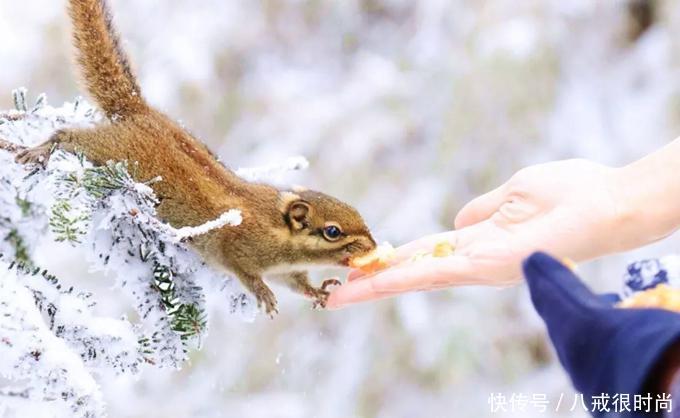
(480, 208)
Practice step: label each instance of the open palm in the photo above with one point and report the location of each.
(568, 208)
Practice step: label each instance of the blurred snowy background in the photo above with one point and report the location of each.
(408, 109)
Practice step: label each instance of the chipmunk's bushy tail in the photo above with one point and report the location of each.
(103, 63)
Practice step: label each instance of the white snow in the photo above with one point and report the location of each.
(406, 109)
(229, 218)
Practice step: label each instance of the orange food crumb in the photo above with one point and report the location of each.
(383, 256)
(378, 259)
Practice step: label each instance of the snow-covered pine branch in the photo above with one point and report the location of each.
(50, 340)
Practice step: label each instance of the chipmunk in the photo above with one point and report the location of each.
(282, 233)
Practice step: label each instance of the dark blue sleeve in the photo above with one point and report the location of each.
(603, 349)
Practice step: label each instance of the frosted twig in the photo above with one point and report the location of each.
(10, 146)
(15, 393)
(230, 218)
(11, 116)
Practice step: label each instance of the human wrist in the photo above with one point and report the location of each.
(646, 203)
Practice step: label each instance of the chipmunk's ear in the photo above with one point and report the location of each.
(297, 212)
(298, 215)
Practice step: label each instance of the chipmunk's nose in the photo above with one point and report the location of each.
(368, 243)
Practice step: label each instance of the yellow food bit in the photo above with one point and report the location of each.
(569, 263)
(662, 296)
(443, 249)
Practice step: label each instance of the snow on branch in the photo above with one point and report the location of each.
(33, 354)
(229, 218)
(50, 339)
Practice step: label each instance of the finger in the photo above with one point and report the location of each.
(354, 292)
(356, 274)
(426, 274)
(406, 251)
(480, 208)
(419, 275)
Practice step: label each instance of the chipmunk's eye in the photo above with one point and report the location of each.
(332, 232)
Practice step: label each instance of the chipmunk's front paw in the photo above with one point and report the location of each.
(265, 298)
(38, 155)
(330, 282)
(320, 295)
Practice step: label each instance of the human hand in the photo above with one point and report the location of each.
(603, 349)
(572, 208)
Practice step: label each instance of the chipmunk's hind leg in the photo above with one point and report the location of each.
(265, 297)
(39, 154)
(67, 139)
